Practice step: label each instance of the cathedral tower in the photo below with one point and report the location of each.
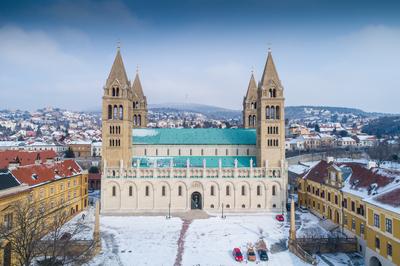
(117, 119)
(139, 111)
(250, 104)
(270, 118)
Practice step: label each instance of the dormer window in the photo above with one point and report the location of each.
(35, 176)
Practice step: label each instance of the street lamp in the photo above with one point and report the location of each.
(222, 212)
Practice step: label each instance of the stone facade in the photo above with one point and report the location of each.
(129, 187)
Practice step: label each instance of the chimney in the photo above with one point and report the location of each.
(371, 164)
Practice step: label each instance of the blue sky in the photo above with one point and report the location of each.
(338, 53)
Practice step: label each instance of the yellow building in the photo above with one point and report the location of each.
(53, 185)
(362, 200)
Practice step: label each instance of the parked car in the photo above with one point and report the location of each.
(303, 209)
(262, 253)
(251, 255)
(237, 254)
(280, 217)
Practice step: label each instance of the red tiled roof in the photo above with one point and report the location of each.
(363, 177)
(24, 157)
(318, 172)
(36, 174)
(391, 198)
(93, 176)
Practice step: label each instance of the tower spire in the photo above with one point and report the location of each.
(270, 72)
(117, 71)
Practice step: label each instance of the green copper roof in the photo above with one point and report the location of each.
(195, 161)
(194, 136)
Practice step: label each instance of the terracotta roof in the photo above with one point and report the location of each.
(362, 177)
(93, 176)
(24, 157)
(318, 172)
(36, 174)
(391, 198)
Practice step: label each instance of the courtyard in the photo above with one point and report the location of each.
(155, 240)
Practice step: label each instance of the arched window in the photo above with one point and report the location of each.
(212, 191)
(113, 143)
(114, 191)
(117, 92)
(278, 113)
(274, 93)
(115, 113)
(228, 206)
(243, 206)
(156, 152)
(267, 113)
(109, 112)
(258, 190)
(258, 205)
(147, 191)
(167, 152)
(254, 120)
(226, 152)
(145, 152)
(243, 191)
(110, 143)
(191, 152)
(216, 152)
(113, 91)
(113, 172)
(121, 112)
(163, 191)
(273, 190)
(134, 105)
(179, 152)
(110, 129)
(228, 190)
(255, 105)
(272, 112)
(139, 120)
(250, 122)
(135, 120)
(202, 152)
(270, 93)
(180, 191)
(130, 191)
(212, 206)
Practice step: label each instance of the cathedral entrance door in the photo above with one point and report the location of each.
(196, 201)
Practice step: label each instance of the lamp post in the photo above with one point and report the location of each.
(222, 212)
(169, 211)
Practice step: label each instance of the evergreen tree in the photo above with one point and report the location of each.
(69, 153)
(316, 128)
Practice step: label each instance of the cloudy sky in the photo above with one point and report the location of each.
(337, 53)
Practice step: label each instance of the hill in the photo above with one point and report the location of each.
(383, 126)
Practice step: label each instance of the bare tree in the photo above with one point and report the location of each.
(46, 234)
(24, 230)
(63, 244)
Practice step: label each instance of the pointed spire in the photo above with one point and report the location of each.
(137, 85)
(117, 70)
(270, 72)
(252, 88)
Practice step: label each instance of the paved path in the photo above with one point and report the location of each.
(181, 242)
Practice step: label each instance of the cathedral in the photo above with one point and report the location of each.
(156, 170)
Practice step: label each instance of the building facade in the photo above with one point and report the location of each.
(363, 200)
(156, 170)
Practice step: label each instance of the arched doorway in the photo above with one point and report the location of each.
(374, 262)
(196, 202)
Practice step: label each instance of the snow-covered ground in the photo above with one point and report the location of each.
(210, 241)
(153, 240)
(131, 240)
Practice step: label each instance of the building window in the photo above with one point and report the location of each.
(353, 206)
(273, 190)
(212, 206)
(147, 191)
(130, 191)
(273, 205)
(243, 206)
(114, 191)
(258, 190)
(243, 190)
(228, 206)
(8, 221)
(163, 191)
(212, 191)
(345, 220)
(389, 249)
(258, 205)
(228, 190)
(336, 200)
(329, 196)
(362, 228)
(353, 224)
(376, 220)
(180, 191)
(216, 152)
(388, 225)
(377, 243)
(345, 203)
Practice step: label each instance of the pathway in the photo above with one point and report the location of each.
(181, 242)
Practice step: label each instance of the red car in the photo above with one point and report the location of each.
(237, 254)
(280, 217)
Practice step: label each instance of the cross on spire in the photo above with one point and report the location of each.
(118, 45)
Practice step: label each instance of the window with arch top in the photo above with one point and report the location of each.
(273, 190)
